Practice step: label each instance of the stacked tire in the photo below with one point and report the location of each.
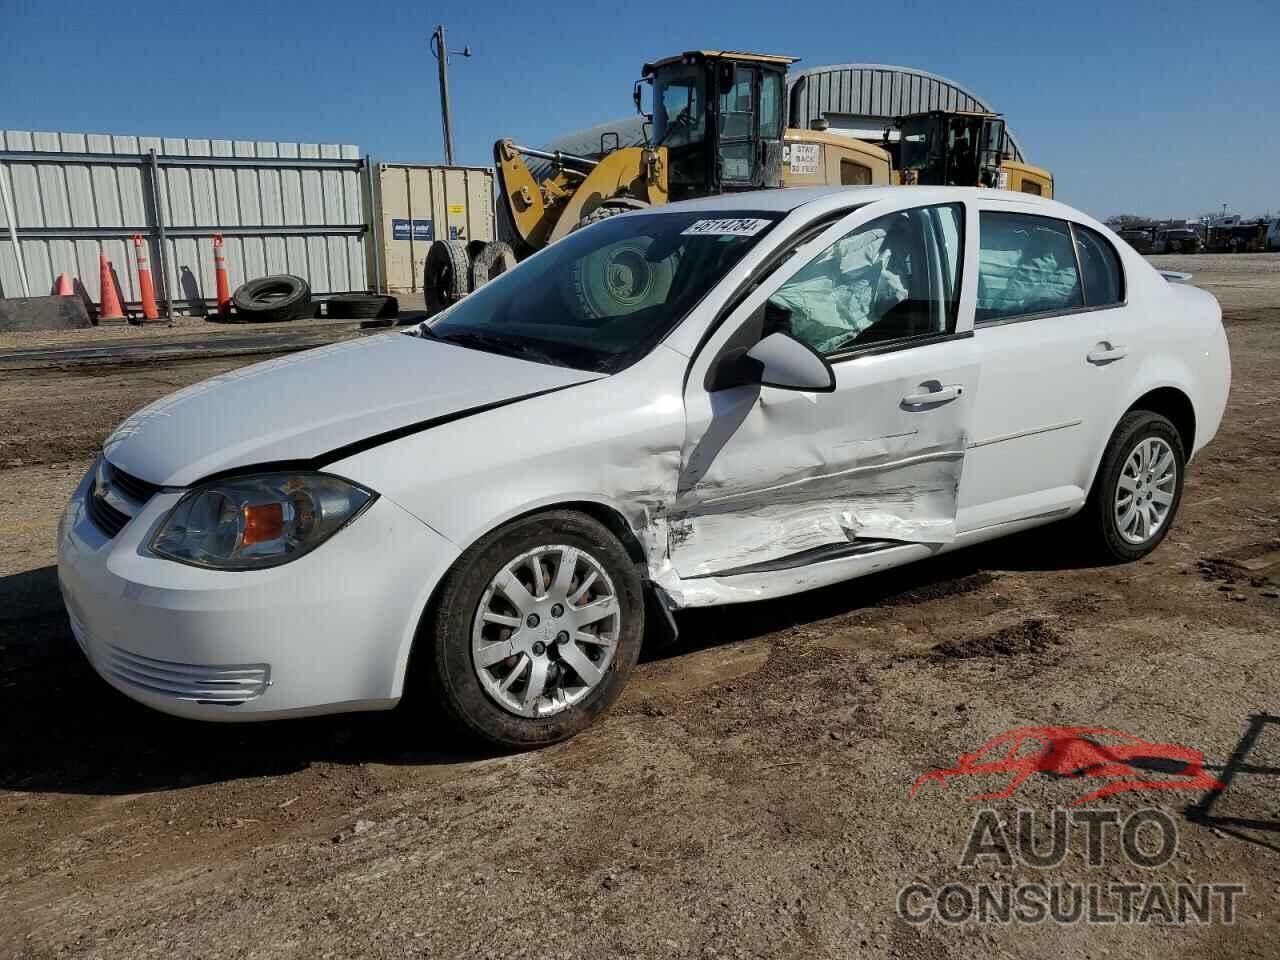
(455, 269)
(272, 300)
(446, 278)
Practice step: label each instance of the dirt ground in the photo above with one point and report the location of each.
(748, 797)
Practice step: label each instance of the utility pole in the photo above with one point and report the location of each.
(441, 53)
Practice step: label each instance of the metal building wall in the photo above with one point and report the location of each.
(283, 208)
(878, 90)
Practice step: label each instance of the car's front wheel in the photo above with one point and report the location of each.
(1138, 488)
(536, 630)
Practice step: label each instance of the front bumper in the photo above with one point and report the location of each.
(329, 632)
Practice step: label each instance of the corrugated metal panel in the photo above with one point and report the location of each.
(456, 202)
(89, 195)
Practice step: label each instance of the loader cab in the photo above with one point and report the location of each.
(950, 148)
(720, 117)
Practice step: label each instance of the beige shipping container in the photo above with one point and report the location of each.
(418, 204)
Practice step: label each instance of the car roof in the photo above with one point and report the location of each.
(828, 198)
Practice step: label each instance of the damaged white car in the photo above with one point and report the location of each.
(717, 401)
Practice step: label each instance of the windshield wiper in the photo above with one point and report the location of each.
(493, 343)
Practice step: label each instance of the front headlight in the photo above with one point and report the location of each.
(246, 523)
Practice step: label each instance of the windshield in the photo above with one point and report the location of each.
(679, 106)
(602, 297)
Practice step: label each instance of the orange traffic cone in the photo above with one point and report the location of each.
(109, 307)
(145, 287)
(64, 288)
(220, 274)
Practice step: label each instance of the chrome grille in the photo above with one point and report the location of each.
(132, 487)
(115, 497)
(229, 684)
(105, 517)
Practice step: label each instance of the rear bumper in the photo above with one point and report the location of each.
(327, 633)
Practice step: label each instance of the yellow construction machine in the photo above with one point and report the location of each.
(716, 125)
(961, 148)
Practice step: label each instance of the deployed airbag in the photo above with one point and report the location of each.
(843, 292)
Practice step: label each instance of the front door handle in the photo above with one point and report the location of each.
(938, 395)
(1105, 352)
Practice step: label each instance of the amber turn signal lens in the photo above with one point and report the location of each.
(263, 522)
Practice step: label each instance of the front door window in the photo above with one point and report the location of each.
(891, 279)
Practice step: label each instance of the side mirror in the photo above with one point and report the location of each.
(789, 364)
(637, 96)
(779, 360)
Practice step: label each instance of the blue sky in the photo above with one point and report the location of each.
(1156, 108)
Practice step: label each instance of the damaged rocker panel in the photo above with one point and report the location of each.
(834, 551)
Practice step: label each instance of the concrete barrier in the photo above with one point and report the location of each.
(43, 313)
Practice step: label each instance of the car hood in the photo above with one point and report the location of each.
(310, 406)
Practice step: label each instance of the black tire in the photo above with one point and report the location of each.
(1097, 522)
(273, 299)
(362, 306)
(445, 645)
(605, 211)
(493, 260)
(618, 279)
(446, 277)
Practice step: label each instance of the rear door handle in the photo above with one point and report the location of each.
(929, 398)
(1105, 352)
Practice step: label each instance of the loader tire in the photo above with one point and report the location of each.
(446, 278)
(618, 279)
(273, 299)
(605, 211)
(494, 259)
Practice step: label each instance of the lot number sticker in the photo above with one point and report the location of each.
(731, 227)
(805, 158)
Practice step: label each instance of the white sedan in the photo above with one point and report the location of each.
(718, 401)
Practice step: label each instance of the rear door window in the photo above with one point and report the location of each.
(1026, 266)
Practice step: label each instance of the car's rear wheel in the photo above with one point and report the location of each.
(1138, 488)
(536, 630)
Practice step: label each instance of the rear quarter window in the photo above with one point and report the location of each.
(1099, 268)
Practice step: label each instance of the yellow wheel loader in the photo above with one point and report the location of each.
(716, 126)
